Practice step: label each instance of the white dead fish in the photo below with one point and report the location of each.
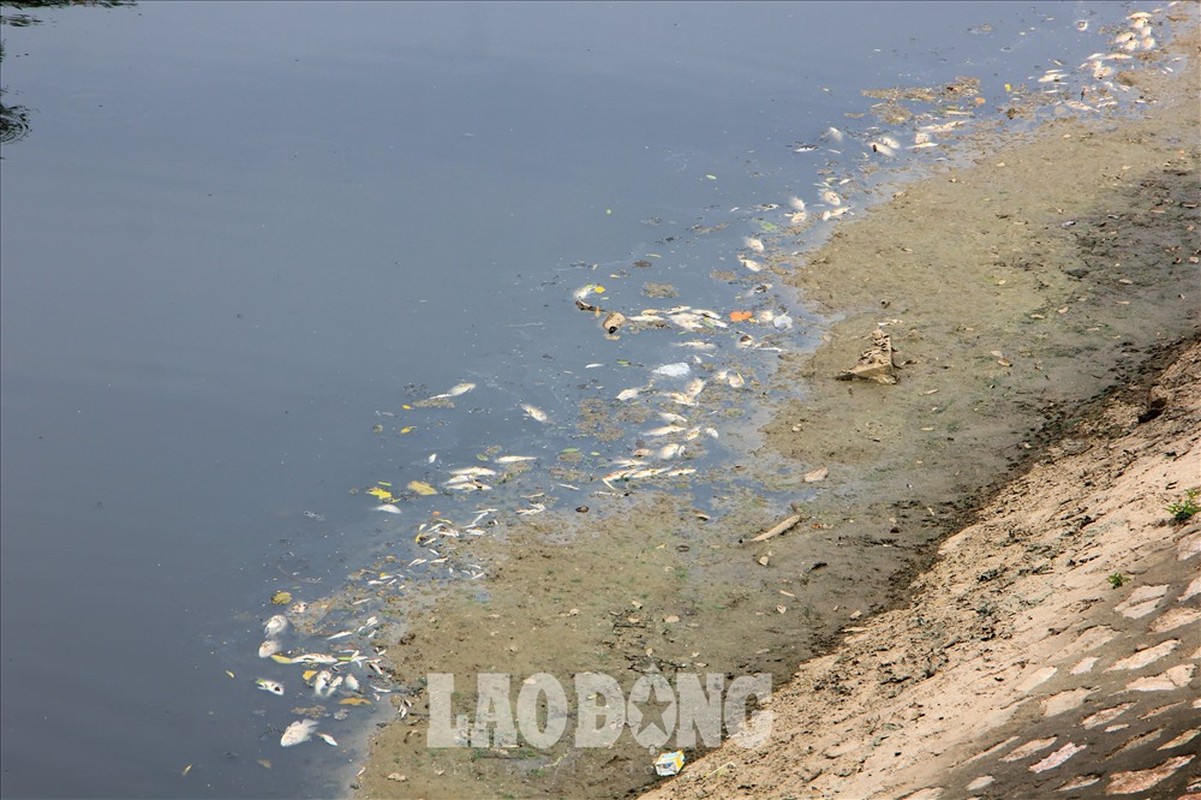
(831, 197)
(454, 391)
(274, 687)
(352, 683)
(833, 134)
(473, 472)
(834, 213)
(677, 370)
(535, 413)
(750, 263)
(339, 635)
(268, 648)
(735, 380)
(796, 203)
(299, 731)
(387, 508)
(670, 451)
(325, 737)
(668, 416)
(629, 394)
(276, 625)
(883, 148)
(694, 387)
(666, 430)
(695, 344)
(314, 658)
(682, 398)
(321, 683)
(515, 459)
(754, 244)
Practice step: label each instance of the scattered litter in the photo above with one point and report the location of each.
(668, 764)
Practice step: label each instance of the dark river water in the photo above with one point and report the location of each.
(233, 233)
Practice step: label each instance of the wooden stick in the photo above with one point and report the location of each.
(781, 526)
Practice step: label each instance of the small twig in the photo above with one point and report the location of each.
(783, 525)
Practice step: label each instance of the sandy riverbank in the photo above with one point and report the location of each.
(1014, 289)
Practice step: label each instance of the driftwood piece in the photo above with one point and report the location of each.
(875, 364)
(780, 527)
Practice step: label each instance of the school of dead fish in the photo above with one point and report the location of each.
(332, 675)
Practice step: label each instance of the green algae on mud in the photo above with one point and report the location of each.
(1015, 289)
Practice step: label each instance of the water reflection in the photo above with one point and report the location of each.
(14, 119)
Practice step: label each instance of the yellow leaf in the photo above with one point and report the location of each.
(230, 674)
(421, 487)
(598, 289)
(264, 763)
(308, 674)
(382, 494)
(281, 598)
(407, 429)
(407, 407)
(280, 658)
(385, 483)
(354, 701)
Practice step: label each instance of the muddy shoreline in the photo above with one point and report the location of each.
(1075, 252)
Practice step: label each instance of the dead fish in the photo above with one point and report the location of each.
(666, 430)
(754, 244)
(695, 344)
(268, 648)
(274, 687)
(831, 197)
(331, 741)
(670, 451)
(276, 625)
(473, 472)
(321, 683)
(387, 508)
(629, 394)
(299, 731)
(455, 391)
(750, 263)
(796, 203)
(833, 134)
(668, 416)
(834, 213)
(314, 658)
(339, 635)
(352, 683)
(535, 413)
(735, 380)
(515, 459)
(694, 387)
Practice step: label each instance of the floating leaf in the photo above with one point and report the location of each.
(281, 598)
(421, 487)
(280, 658)
(354, 701)
(382, 494)
(740, 316)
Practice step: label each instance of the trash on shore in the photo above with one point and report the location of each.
(876, 363)
(668, 764)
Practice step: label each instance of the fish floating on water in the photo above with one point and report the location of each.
(274, 687)
(275, 626)
(299, 731)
